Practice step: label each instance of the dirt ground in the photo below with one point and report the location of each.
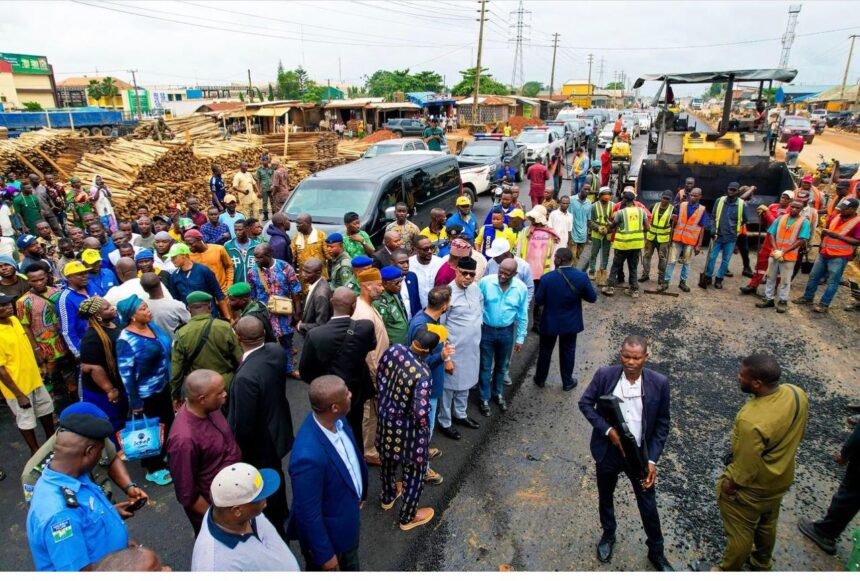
(831, 144)
(529, 500)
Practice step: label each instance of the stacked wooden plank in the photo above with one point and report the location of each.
(20, 155)
(351, 149)
(199, 126)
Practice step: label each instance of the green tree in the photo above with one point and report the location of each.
(271, 94)
(289, 86)
(714, 90)
(259, 94)
(385, 83)
(427, 81)
(489, 85)
(241, 96)
(32, 106)
(532, 88)
(303, 78)
(614, 86)
(104, 88)
(314, 93)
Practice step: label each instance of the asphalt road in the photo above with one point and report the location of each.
(163, 526)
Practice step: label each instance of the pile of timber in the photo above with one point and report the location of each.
(22, 156)
(155, 129)
(351, 149)
(304, 146)
(198, 125)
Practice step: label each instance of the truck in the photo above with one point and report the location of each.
(476, 177)
(492, 149)
(86, 120)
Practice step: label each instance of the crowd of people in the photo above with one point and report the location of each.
(189, 319)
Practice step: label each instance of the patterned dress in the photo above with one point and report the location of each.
(403, 428)
(279, 279)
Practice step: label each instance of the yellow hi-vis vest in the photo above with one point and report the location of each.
(661, 224)
(631, 234)
(601, 218)
(722, 202)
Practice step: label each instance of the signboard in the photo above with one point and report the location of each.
(26, 64)
(132, 100)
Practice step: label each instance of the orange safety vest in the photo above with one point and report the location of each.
(814, 197)
(786, 236)
(834, 247)
(687, 230)
(831, 205)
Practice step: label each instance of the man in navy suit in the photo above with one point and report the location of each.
(409, 289)
(644, 402)
(329, 481)
(561, 292)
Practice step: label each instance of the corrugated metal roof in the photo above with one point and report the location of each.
(394, 106)
(85, 81)
(358, 103)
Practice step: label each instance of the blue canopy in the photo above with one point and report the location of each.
(780, 96)
(428, 99)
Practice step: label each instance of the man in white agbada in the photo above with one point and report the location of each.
(463, 321)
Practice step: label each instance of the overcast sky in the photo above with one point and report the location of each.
(206, 42)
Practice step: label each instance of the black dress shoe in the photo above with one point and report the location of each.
(450, 431)
(503, 405)
(604, 549)
(729, 274)
(571, 386)
(747, 273)
(748, 290)
(660, 563)
(467, 421)
(484, 408)
(540, 383)
(718, 283)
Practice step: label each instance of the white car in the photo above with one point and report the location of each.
(644, 122)
(604, 138)
(540, 143)
(631, 124)
(395, 146)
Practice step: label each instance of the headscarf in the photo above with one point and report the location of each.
(127, 307)
(88, 311)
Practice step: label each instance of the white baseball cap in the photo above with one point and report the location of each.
(241, 483)
(499, 247)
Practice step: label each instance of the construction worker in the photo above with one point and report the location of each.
(842, 187)
(684, 193)
(766, 216)
(658, 238)
(729, 220)
(807, 185)
(838, 242)
(786, 235)
(601, 215)
(690, 220)
(629, 225)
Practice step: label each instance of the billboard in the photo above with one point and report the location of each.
(26, 64)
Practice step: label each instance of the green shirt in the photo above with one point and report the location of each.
(29, 209)
(393, 314)
(341, 271)
(765, 438)
(221, 353)
(354, 248)
(264, 178)
(434, 144)
(42, 458)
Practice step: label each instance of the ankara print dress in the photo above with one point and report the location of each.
(403, 428)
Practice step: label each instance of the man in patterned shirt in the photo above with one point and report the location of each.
(407, 230)
(214, 232)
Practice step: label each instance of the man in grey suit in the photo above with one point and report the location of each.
(317, 309)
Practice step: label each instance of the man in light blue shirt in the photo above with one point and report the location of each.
(580, 209)
(500, 251)
(506, 319)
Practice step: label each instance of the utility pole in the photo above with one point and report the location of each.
(590, 90)
(137, 94)
(518, 51)
(250, 88)
(478, 64)
(552, 74)
(847, 66)
(788, 36)
(600, 73)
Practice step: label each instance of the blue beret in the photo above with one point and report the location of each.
(391, 273)
(333, 238)
(361, 261)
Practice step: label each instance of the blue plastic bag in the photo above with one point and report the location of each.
(141, 438)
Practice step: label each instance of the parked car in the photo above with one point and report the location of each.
(568, 113)
(541, 142)
(604, 138)
(574, 132)
(644, 120)
(818, 117)
(405, 127)
(492, 149)
(394, 146)
(795, 125)
(833, 118)
(371, 188)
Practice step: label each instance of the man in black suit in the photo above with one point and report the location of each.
(390, 242)
(644, 403)
(339, 348)
(259, 414)
(561, 293)
(317, 309)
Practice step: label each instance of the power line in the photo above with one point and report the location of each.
(518, 49)
(388, 8)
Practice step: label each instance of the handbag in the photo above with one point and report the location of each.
(141, 438)
(277, 305)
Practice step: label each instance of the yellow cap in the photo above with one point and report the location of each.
(517, 214)
(75, 267)
(464, 201)
(439, 330)
(90, 256)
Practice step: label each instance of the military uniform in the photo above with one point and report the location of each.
(393, 313)
(42, 460)
(341, 271)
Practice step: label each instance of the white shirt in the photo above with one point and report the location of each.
(163, 263)
(404, 296)
(6, 228)
(217, 550)
(426, 274)
(245, 355)
(114, 256)
(630, 395)
(562, 224)
(129, 288)
(345, 450)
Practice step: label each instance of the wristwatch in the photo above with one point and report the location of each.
(129, 485)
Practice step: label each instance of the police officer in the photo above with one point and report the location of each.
(71, 523)
(339, 265)
(390, 306)
(356, 266)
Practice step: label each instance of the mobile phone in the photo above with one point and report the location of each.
(137, 504)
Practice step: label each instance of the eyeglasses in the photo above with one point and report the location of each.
(428, 249)
(467, 273)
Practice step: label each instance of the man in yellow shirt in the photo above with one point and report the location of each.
(436, 230)
(247, 191)
(20, 381)
(496, 227)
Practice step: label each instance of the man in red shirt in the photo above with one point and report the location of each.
(792, 150)
(605, 167)
(538, 175)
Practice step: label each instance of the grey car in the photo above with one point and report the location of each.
(405, 127)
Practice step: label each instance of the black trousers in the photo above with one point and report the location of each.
(616, 274)
(354, 418)
(844, 505)
(743, 246)
(346, 561)
(276, 505)
(608, 471)
(159, 405)
(566, 357)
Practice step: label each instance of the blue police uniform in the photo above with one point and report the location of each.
(64, 537)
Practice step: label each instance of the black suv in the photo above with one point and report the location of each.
(405, 127)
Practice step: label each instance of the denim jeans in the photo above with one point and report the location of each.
(578, 182)
(496, 347)
(556, 182)
(830, 267)
(725, 247)
(677, 251)
(286, 342)
(434, 403)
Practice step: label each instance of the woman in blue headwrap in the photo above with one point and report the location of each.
(143, 359)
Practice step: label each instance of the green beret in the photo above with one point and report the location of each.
(240, 289)
(198, 297)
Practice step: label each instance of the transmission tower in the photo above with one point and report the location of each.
(600, 74)
(788, 37)
(518, 31)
